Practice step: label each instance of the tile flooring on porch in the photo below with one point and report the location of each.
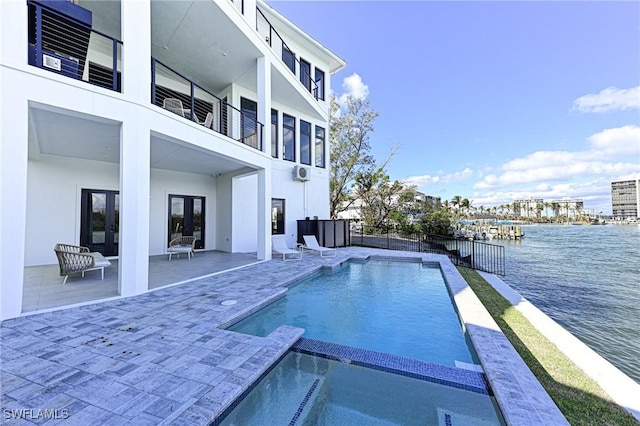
(43, 288)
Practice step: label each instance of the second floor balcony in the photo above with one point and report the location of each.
(176, 93)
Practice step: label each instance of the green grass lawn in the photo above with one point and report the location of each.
(579, 397)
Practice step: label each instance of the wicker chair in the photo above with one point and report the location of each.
(73, 259)
(183, 244)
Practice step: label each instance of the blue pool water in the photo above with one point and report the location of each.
(308, 390)
(402, 308)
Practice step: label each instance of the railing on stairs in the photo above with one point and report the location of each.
(288, 56)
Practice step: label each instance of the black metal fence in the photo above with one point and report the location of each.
(462, 252)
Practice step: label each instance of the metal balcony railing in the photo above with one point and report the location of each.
(288, 56)
(472, 254)
(62, 44)
(176, 93)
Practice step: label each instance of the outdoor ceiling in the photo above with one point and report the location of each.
(57, 132)
(199, 41)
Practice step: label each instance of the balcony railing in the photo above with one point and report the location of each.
(176, 93)
(65, 44)
(288, 56)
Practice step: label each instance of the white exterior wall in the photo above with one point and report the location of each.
(54, 185)
(40, 195)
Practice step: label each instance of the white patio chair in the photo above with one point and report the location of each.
(310, 243)
(174, 105)
(279, 244)
(183, 244)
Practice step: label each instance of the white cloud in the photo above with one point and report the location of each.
(612, 152)
(618, 141)
(355, 87)
(609, 99)
(441, 178)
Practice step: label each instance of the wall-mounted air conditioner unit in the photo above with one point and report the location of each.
(51, 62)
(301, 173)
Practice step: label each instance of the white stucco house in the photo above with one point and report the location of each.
(127, 123)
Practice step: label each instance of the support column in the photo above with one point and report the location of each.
(264, 175)
(136, 50)
(264, 214)
(135, 178)
(135, 150)
(14, 135)
(264, 101)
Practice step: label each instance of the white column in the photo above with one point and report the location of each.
(14, 124)
(264, 175)
(264, 214)
(135, 177)
(264, 101)
(136, 51)
(13, 34)
(135, 173)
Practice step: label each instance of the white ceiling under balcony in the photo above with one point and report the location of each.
(62, 133)
(197, 39)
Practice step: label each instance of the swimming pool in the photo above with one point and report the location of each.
(308, 390)
(403, 308)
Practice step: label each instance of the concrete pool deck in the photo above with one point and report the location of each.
(161, 358)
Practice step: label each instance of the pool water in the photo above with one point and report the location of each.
(307, 390)
(402, 308)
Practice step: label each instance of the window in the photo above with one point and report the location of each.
(249, 119)
(277, 216)
(289, 58)
(274, 133)
(320, 83)
(320, 146)
(305, 142)
(305, 74)
(288, 137)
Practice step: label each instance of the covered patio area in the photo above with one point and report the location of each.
(43, 288)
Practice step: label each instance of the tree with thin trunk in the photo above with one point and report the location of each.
(350, 129)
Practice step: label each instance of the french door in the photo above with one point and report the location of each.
(186, 217)
(100, 219)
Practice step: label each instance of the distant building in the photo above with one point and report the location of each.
(568, 207)
(529, 208)
(625, 199)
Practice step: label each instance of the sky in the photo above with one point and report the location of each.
(492, 101)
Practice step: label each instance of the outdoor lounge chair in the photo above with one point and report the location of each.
(183, 244)
(279, 244)
(72, 259)
(310, 243)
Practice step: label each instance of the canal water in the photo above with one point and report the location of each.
(587, 278)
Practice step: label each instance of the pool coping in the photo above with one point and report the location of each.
(162, 358)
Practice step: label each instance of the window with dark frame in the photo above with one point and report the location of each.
(305, 142)
(289, 58)
(277, 216)
(320, 139)
(319, 79)
(288, 137)
(249, 119)
(305, 74)
(274, 133)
